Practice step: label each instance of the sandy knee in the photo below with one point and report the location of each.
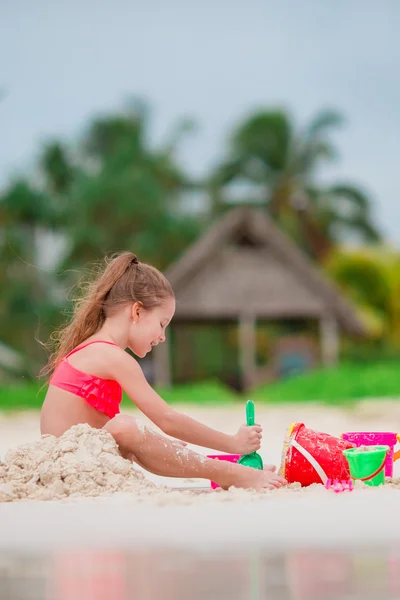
(124, 429)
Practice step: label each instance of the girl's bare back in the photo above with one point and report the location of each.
(61, 410)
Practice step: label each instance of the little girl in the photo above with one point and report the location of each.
(130, 305)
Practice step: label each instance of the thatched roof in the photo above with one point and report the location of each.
(245, 264)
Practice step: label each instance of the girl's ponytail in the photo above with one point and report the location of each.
(90, 308)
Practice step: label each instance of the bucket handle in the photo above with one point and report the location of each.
(311, 460)
(396, 455)
(373, 474)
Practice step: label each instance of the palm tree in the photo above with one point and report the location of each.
(128, 193)
(25, 213)
(114, 191)
(280, 164)
(57, 169)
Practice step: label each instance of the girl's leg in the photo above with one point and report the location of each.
(166, 457)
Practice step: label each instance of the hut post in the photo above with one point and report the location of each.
(247, 349)
(329, 340)
(162, 365)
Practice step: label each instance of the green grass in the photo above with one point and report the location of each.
(26, 396)
(30, 396)
(344, 384)
(207, 392)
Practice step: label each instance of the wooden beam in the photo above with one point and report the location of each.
(247, 350)
(162, 365)
(329, 333)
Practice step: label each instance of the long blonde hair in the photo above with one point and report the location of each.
(119, 280)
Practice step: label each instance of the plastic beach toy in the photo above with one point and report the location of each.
(251, 460)
(339, 486)
(229, 457)
(310, 456)
(377, 438)
(367, 463)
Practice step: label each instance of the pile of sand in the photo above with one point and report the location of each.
(83, 461)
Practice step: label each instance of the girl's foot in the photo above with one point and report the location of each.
(259, 480)
(249, 478)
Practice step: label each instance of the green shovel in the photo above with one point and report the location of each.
(251, 460)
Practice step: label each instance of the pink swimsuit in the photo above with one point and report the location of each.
(104, 395)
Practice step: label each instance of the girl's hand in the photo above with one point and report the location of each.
(247, 439)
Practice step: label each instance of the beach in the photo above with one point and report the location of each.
(183, 512)
(176, 538)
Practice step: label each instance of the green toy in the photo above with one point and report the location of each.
(367, 465)
(251, 460)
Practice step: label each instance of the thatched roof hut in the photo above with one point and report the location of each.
(244, 268)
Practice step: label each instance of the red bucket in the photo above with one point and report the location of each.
(312, 457)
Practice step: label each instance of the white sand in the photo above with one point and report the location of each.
(312, 516)
(82, 462)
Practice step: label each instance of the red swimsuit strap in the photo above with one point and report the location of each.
(88, 344)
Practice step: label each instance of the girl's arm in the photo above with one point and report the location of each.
(128, 373)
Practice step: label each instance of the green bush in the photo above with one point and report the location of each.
(376, 351)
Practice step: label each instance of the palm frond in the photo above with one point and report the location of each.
(312, 153)
(324, 120)
(353, 195)
(266, 136)
(226, 172)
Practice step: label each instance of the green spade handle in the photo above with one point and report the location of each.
(253, 459)
(250, 413)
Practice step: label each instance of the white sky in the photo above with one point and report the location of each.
(214, 60)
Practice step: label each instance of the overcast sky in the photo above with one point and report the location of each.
(213, 60)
